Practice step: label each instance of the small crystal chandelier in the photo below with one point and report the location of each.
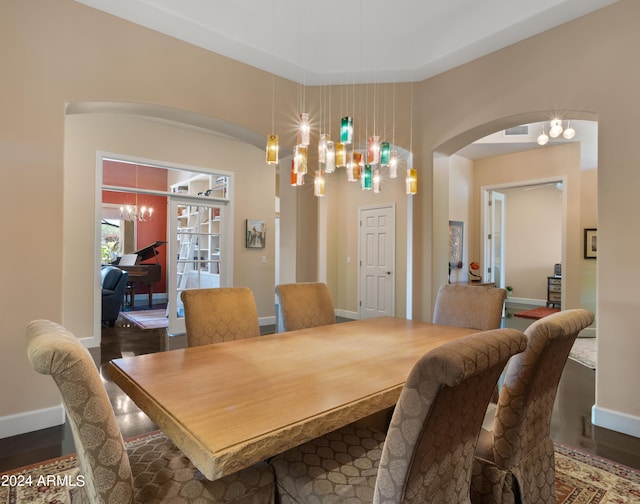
(135, 213)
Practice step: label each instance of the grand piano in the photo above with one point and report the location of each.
(147, 274)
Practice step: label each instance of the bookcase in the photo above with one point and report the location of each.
(199, 232)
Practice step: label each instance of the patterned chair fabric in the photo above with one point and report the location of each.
(515, 462)
(428, 451)
(472, 306)
(152, 472)
(303, 305)
(220, 314)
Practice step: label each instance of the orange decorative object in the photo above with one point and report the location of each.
(474, 266)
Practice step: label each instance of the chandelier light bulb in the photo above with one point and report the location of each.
(300, 159)
(411, 181)
(569, 133)
(304, 129)
(385, 153)
(556, 128)
(373, 148)
(341, 155)
(543, 138)
(319, 184)
(393, 164)
(330, 157)
(366, 178)
(346, 130)
(377, 180)
(322, 148)
(272, 149)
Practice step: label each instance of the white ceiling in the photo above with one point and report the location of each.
(348, 41)
(375, 41)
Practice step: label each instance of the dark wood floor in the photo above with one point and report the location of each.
(571, 422)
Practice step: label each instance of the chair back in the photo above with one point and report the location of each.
(472, 306)
(525, 405)
(102, 457)
(306, 304)
(113, 278)
(430, 445)
(219, 314)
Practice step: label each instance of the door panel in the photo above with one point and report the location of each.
(494, 239)
(377, 263)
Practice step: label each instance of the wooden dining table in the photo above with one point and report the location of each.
(229, 405)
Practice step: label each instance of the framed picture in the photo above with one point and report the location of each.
(256, 233)
(456, 229)
(590, 243)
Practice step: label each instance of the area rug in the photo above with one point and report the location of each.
(589, 479)
(584, 352)
(537, 313)
(580, 478)
(147, 319)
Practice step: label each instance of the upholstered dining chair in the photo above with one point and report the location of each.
(155, 471)
(515, 461)
(219, 314)
(427, 453)
(302, 305)
(472, 306)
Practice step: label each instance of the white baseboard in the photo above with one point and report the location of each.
(616, 421)
(21, 423)
(263, 321)
(589, 332)
(511, 300)
(348, 314)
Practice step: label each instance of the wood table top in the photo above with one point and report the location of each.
(229, 405)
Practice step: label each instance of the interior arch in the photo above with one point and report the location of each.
(572, 225)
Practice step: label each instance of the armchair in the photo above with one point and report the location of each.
(113, 282)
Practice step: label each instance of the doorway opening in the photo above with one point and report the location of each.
(523, 238)
(187, 231)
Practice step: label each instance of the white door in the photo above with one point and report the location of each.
(494, 239)
(377, 261)
(197, 252)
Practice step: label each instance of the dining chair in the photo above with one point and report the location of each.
(472, 306)
(156, 471)
(427, 453)
(219, 314)
(515, 460)
(302, 305)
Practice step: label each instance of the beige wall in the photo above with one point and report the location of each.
(511, 87)
(533, 234)
(56, 52)
(171, 144)
(463, 207)
(561, 162)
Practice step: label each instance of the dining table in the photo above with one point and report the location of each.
(229, 405)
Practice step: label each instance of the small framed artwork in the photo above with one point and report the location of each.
(256, 233)
(590, 243)
(456, 230)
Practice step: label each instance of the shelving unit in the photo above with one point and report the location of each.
(554, 291)
(198, 233)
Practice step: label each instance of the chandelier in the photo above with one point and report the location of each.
(135, 213)
(555, 130)
(364, 165)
